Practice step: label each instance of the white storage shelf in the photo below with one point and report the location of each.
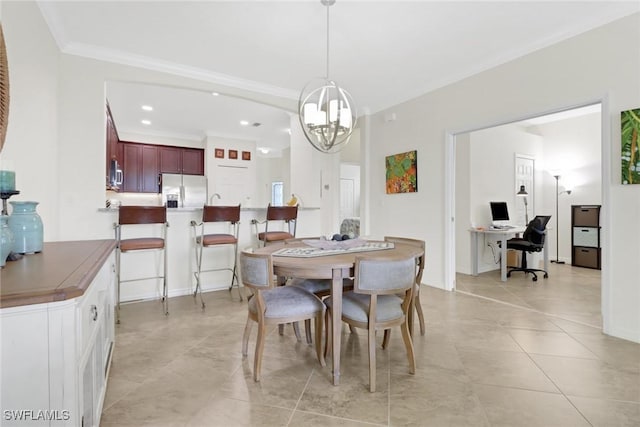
(55, 355)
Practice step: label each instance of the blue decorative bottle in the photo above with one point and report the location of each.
(6, 239)
(26, 226)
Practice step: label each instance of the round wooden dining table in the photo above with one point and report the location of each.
(335, 267)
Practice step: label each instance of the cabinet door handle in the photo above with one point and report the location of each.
(94, 313)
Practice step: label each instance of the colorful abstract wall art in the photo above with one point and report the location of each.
(630, 153)
(402, 172)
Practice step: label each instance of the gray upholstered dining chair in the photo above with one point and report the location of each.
(318, 287)
(374, 304)
(416, 291)
(274, 305)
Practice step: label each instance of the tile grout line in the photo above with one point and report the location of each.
(528, 309)
(295, 408)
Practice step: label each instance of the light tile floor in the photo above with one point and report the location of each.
(519, 353)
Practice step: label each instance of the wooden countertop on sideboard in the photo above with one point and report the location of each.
(63, 270)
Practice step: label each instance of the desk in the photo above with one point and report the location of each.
(334, 267)
(503, 236)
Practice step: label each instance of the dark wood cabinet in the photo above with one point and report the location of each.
(170, 159)
(143, 163)
(140, 168)
(585, 236)
(193, 161)
(188, 161)
(149, 176)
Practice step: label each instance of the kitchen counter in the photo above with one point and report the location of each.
(63, 270)
(247, 209)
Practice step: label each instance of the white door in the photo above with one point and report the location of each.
(347, 198)
(525, 166)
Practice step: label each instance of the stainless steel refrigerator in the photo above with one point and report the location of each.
(190, 191)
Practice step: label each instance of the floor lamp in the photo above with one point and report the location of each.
(557, 260)
(523, 193)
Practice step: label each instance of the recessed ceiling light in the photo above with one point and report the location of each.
(244, 122)
(215, 93)
(288, 130)
(145, 122)
(147, 108)
(263, 150)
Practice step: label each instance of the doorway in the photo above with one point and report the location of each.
(467, 208)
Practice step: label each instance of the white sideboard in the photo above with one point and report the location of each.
(57, 333)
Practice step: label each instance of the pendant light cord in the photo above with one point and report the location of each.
(327, 76)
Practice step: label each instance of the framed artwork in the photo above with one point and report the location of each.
(233, 154)
(246, 155)
(402, 172)
(219, 153)
(630, 153)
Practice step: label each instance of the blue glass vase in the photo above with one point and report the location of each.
(26, 226)
(6, 239)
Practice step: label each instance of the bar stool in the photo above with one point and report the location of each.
(142, 215)
(287, 216)
(217, 214)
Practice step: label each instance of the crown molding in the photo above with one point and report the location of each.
(153, 64)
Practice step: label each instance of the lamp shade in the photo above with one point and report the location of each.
(522, 191)
(327, 115)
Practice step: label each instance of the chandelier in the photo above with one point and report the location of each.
(326, 111)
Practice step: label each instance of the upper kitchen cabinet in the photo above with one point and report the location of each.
(188, 161)
(142, 163)
(140, 168)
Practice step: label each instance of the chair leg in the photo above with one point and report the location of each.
(327, 332)
(165, 286)
(118, 286)
(318, 326)
(198, 274)
(418, 306)
(385, 339)
(296, 330)
(408, 343)
(372, 358)
(307, 330)
(257, 363)
(245, 337)
(234, 274)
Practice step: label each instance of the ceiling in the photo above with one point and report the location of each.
(383, 52)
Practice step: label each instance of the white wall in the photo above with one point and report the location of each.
(581, 70)
(30, 146)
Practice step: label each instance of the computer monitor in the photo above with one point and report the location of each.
(499, 213)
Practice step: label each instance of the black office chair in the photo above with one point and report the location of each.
(532, 240)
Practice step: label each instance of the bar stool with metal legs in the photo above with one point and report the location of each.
(142, 215)
(205, 239)
(287, 216)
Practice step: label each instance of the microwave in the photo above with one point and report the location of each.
(115, 174)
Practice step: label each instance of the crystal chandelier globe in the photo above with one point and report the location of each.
(326, 111)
